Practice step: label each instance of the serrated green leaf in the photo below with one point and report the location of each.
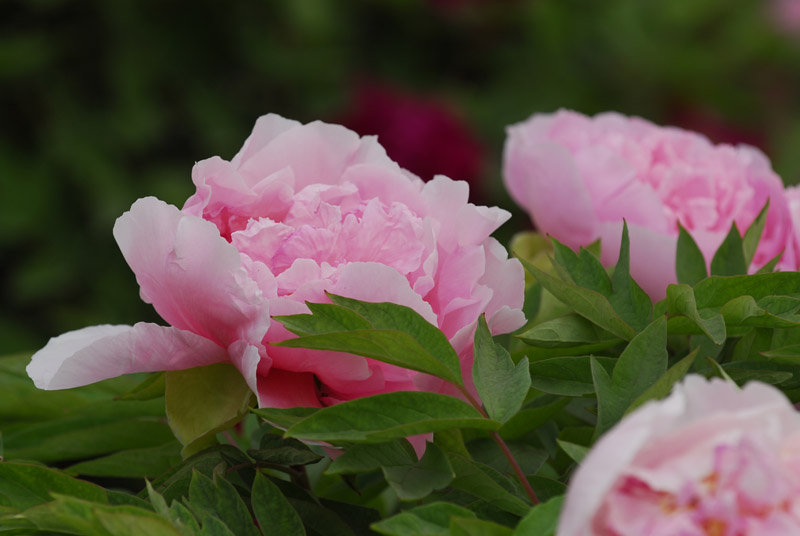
(753, 235)
(275, 449)
(203, 401)
(583, 268)
(729, 258)
(389, 416)
(501, 385)
(628, 299)
(568, 331)
(460, 526)
(219, 499)
(542, 520)
(690, 264)
(566, 376)
(274, 513)
(367, 458)
(681, 301)
(663, 386)
(587, 303)
(417, 480)
(428, 520)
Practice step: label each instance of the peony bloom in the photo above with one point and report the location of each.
(579, 177)
(300, 210)
(709, 460)
(423, 135)
(785, 14)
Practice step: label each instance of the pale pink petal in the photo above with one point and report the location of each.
(192, 276)
(96, 353)
(267, 128)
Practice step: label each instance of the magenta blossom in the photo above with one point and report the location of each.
(579, 177)
(709, 460)
(300, 210)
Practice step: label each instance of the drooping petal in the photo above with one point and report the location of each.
(97, 353)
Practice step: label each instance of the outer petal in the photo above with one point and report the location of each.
(191, 275)
(96, 353)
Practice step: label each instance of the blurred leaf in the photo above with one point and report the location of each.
(284, 418)
(417, 480)
(729, 258)
(568, 331)
(131, 463)
(716, 291)
(576, 452)
(628, 299)
(428, 520)
(771, 264)
(219, 499)
(389, 416)
(483, 482)
(23, 486)
(786, 354)
(567, 376)
(542, 520)
(546, 488)
(533, 416)
(501, 385)
(753, 235)
(718, 370)
(486, 451)
(367, 458)
(681, 301)
(274, 513)
(744, 311)
(203, 401)
(663, 386)
(213, 526)
(151, 387)
(183, 519)
(460, 526)
(387, 332)
(587, 303)
(274, 449)
(690, 265)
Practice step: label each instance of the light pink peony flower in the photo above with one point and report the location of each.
(300, 210)
(709, 460)
(578, 177)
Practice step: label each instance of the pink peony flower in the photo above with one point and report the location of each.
(300, 210)
(786, 15)
(579, 177)
(709, 460)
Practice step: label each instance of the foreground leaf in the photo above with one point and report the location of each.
(628, 299)
(389, 416)
(274, 513)
(417, 480)
(729, 258)
(219, 499)
(542, 520)
(681, 301)
(428, 520)
(663, 386)
(690, 264)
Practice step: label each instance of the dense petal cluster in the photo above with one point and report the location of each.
(578, 177)
(709, 460)
(300, 210)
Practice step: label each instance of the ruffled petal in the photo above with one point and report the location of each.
(97, 353)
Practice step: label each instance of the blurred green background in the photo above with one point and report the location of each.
(103, 102)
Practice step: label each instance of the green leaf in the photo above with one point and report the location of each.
(770, 266)
(24, 485)
(789, 355)
(729, 258)
(663, 386)
(460, 526)
(416, 481)
(681, 301)
(485, 483)
(284, 418)
(718, 369)
(428, 520)
(203, 401)
(274, 513)
(576, 452)
(389, 416)
(542, 520)
(717, 291)
(753, 235)
(183, 519)
(610, 403)
(546, 488)
(488, 452)
(566, 376)
(690, 265)
(568, 331)
(583, 268)
(540, 411)
(219, 499)
(587, 303)
(151, 387)
(156, 500)
(772, 373)
(744, 311)
(501, 385)
(628, 299)
(132, 463)
(275, 449)
(213, 526)
(368, 458)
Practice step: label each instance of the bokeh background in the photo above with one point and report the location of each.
(103, 102)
